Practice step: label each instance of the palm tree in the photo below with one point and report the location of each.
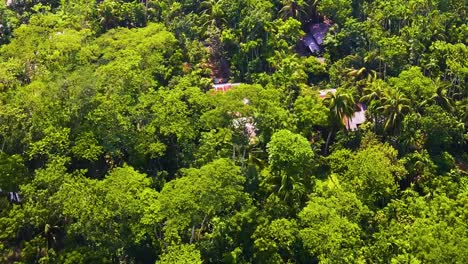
(440, 98)
(213, 12)
(372, 97)
(292, 8)
(341, 105)
(393, 107)
(461, 109)
(292, 188)
(374, 93)
(288, 187)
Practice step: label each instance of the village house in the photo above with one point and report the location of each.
(359, 117)
(223, 87)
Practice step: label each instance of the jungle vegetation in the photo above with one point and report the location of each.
(120, 151)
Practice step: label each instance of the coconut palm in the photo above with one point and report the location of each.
(341, 105)
(393, 107)
(440, 98)
(374, 93)
(288, 187)
(293, 8)
(372, 97)
(213, 12)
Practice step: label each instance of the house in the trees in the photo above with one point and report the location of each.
(311, 44)
(223, 87)
(315, 36)
(359, 117)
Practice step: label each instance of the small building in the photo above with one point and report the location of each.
(310, 42)
(315, 36)
(223, 87)
(359, 117)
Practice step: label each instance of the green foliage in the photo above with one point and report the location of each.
(181, 254)
(309, 114)
(422, 229)
(338, 11)
(87, 147)
(438, 130)
(289, 153)
(291, 159)
(8, 22)
(414, 84)
(120, 13)
(192, 200)
(12, 171)
(121, 195)
(275, 242)
(373, 172)
(119, 150)
(330, 224)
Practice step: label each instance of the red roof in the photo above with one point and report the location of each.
(224, 87)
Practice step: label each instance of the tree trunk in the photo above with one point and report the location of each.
(3, 145)
(233, 152)
(328, 141)
(202, 226)
(146, 11)
(193, 234)
(243, 159)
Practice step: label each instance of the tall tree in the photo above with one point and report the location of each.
(291, 160)
(393, 107)
(293, 8)
(341, 106)
(214, 12)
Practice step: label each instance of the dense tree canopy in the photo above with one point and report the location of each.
(115, 147)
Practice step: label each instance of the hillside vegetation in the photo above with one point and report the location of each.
(115, 147)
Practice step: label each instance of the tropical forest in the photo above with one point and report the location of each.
(233, 131)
